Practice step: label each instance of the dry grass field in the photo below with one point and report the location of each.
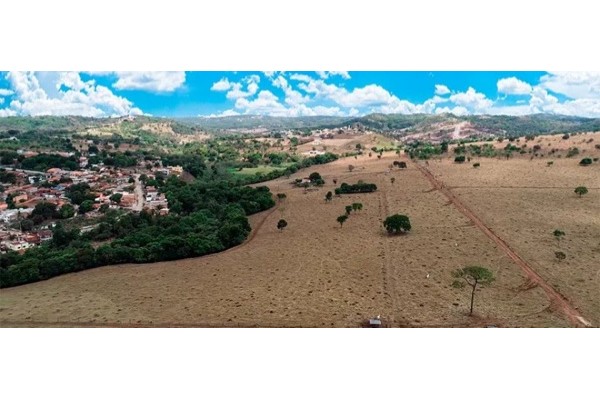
(316, 274)
(524, 201)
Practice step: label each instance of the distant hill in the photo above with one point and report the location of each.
(408, 127)
(50, 132)
(72, 124)
(404, 125)
(250, 122)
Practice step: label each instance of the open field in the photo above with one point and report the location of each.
(315, 273)
(524, 202)
(347, 143)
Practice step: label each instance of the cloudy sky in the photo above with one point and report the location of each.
(174, 94)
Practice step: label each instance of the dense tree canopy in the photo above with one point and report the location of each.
(397, 224)
(79, 192)
(359, 187)
(43, 162)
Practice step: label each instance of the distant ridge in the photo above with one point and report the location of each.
(426, 125)
(407, 123)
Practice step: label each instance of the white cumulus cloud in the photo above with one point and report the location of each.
(576, 85)
(513, 85)
(265, 103)
(327, 74)
(221, 85)
(457, 110)
(309, 95)
(5, 92)
(472, 100)
(441, 90)
(150, 81)
(226, 113)
(235, 90)
(63, 93)
(7, 112)
(292, 97)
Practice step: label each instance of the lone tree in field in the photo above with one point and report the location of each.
(558, 234)
(315, 176)
(341, 219)
(350, 167)
(281, 197)
(474, 276)
(392, 179)
(585, 162)
(348, 210)
(581, 190)
(356, 206)
(397, 223)
(281, 224)
(560, 255)
(328, 196)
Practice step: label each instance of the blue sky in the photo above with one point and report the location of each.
(283, 93)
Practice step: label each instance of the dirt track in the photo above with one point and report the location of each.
(557, 299)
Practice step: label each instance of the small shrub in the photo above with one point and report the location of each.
(476, 165)
(585, 162)
(459, 159)
(281, 224)
(581, 190)
(558, 234)
(573, 151)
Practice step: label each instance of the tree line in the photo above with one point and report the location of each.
(206, 217)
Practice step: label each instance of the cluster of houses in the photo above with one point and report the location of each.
(32, 188)
(15, 240)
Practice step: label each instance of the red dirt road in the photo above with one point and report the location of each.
(557, 299)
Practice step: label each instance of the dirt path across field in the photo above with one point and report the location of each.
(387, 273)
(557, 299)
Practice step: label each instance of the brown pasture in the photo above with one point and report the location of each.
(318, 274)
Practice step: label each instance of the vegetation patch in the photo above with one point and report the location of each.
(359, 187)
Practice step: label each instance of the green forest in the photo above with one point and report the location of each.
(207, 217)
